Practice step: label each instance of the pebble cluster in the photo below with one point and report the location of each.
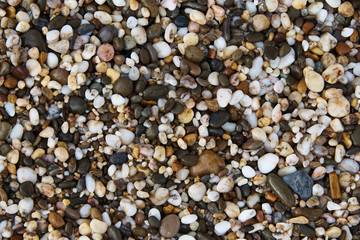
(179, 119)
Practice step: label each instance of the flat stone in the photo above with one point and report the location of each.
(77, 105)
(123, 86)
(5, 129)
(193, 53)
(306, 229)
(107, 33)
(301, 183)
(119, 158)
(208, 162)
(56, 220)
(170, 226)
(281, 190)
(57, 22)
(355, 136)
(113, 233)
(217, 119)
(33, 38)
(310, 213)
(155, 92)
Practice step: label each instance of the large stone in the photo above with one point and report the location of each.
(281, 190)
(217, 119)
(301, 183)
(208, 162)
(33, 38)
(170, 226)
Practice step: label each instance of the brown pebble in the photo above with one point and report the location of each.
(56, 220)
(334, 186)
(10, 82)
(342, 48)
(311, 213)
(106, 52)
(190, 139)
(170, 226)
(20, 72)
(3, 195)
(243, 86)
(307, 27)
(43, 57)
(95, 214)
(208, 162)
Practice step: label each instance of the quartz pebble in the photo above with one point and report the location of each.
(268, 162)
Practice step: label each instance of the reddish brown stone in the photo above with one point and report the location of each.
(10, 82)
(342, 48)
(307, 27)
(20, 72)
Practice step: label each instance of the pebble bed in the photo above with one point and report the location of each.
(179, 119)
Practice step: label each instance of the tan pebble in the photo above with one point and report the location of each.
(260, 22)
(314, 81)
(56, 220)
(333, 232)
(61, 153)
(346, 9)
(46, 189)
(38, 153)
(299, 220)
(186, 116)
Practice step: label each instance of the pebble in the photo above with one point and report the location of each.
(5, 129)
(197, 191)
(194, 54)
(314, 81)
(98, 226)
(162, 49)
(170, 226)
(225, 185)
(246, 215)
(128, 207)
(268, 162)
(281, 190)
(25, 174)
(333, 3)
(301, 183)
(56, 220)
(260, 22)
(105, 52)
(219, 118)
(338, 107)
(26, 205)
(77, 105)
(223, 97)
(333, 73)
(208, 162)
(222, 227)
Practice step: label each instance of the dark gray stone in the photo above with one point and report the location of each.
(217, 119)
(301, 183)
(119, 158)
